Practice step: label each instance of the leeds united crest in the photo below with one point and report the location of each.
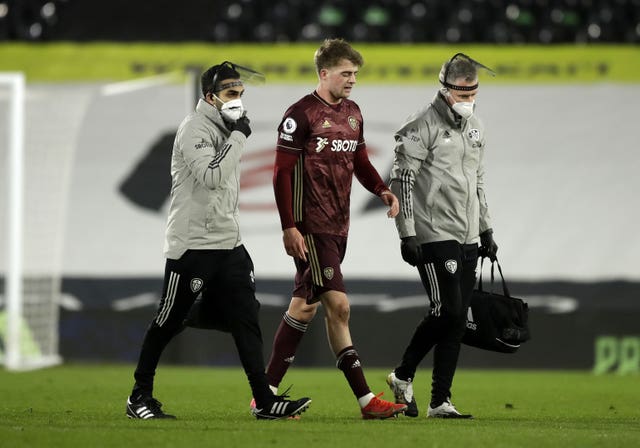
(353, 122)
(196, 284)
(451, 266)
(328, 273)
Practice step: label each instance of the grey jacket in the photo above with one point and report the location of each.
(437, 175)
(205, 173)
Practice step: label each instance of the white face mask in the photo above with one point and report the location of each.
(232, 110)
(465, 110)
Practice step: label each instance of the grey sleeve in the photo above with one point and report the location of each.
(410, 153)
(208, 156)
(485, 218)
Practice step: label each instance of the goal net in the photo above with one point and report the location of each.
(41, 127)
(36, 152)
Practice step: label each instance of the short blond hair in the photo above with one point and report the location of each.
(332, 51)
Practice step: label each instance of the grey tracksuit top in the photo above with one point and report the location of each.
(205, 173)
(437, 175)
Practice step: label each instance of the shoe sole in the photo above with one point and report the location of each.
(452, 416)
(291, 417)
(384, 416)
(133, 416)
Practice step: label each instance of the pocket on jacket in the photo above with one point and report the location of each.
(211, 214)
(433, 192)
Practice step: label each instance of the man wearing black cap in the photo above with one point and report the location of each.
(438, 176)
(203, 248)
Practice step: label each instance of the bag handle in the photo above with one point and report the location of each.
(504, 283)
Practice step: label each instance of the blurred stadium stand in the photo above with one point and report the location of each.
(455, 21)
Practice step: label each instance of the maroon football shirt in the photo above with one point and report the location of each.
(326, 137)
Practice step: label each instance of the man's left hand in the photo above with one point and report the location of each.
(242, 125)
(488, 247)
(410, 250)
(294, 243)
(391, 201)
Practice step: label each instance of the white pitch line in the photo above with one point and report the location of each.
(137, 84)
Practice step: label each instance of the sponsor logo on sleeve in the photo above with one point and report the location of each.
(413, 135)
(289, 126)
(203, 144)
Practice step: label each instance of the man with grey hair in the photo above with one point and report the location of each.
(438, 176)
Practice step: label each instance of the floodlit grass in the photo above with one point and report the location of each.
(78, 405)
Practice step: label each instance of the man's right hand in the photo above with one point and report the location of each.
(294, 243)
(410, 250)
(242, 125)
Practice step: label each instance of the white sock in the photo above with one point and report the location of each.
(365, 399)
(274, 389)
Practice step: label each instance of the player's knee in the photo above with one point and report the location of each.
(452, 310)
(170, 328)
(307, 313)
(301, 311)
(454, 314)
(339, 312)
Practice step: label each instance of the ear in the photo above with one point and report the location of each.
(449, 97)
(209, 98)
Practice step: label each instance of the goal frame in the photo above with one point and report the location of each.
(14, 288)
(15, 177)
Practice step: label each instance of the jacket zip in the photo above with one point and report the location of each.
(464, 171)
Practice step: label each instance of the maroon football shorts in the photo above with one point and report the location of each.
(321, 272)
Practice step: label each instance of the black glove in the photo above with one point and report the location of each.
(242, 125)
(410, 250)
(488, 247)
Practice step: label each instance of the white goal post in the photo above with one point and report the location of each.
(44, 161)
(29, 321)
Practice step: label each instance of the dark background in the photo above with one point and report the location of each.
(407, 21)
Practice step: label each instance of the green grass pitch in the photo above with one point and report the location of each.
(80, 405)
